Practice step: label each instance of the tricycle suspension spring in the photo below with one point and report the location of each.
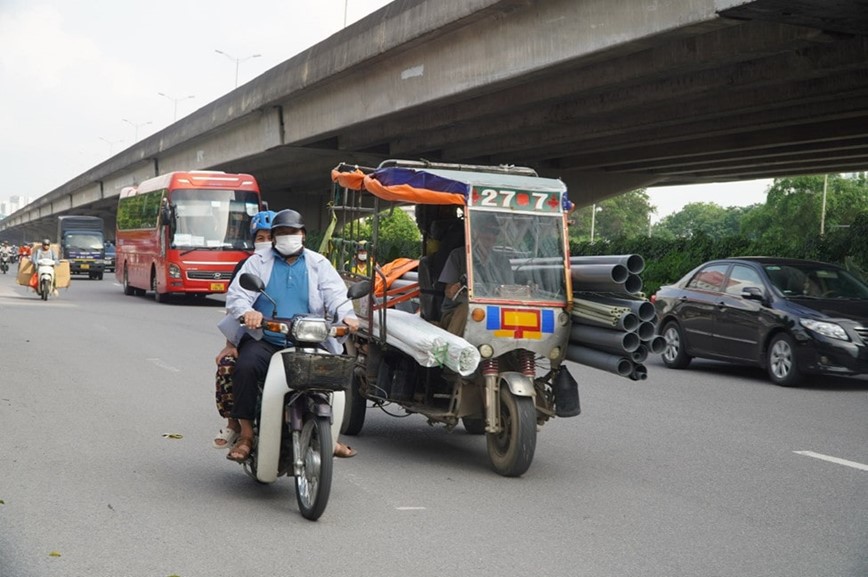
(527, 364)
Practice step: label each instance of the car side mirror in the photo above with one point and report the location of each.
(753, 293)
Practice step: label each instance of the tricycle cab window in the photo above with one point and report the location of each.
(517, 256)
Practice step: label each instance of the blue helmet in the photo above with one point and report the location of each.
(261, 221)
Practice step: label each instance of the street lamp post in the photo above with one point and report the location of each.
(136, 126)
(175, 102)
(111, 143)
(238, 61)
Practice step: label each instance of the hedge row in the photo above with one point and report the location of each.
(666, 261)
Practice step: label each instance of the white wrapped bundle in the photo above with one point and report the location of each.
(430, 345)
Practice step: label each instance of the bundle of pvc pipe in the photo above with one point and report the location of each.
(428, 344)
(612, 330)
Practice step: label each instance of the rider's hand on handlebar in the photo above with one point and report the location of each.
(252, 319)
(352, 323)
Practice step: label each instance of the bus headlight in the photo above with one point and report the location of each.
(174, 271)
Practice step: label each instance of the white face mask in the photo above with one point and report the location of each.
(363, 256)
(262, 246)
(289, 244)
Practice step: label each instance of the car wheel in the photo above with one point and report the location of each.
(781, 361)
(674, 355)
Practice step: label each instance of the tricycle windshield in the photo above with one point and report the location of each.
(517, 257)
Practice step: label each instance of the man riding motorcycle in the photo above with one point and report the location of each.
(303, 281)
(6, 255)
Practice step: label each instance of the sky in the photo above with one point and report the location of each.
(80, 80)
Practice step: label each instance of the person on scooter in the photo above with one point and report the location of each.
(260, 228)
(45, 251)
(301, 281)
(6, 251)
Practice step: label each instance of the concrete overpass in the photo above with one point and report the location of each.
(609, 95)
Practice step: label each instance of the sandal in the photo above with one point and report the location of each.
(241, 450)
(344, 451)
(225, 438)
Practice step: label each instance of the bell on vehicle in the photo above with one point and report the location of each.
(566, 394)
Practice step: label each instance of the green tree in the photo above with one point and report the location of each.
(398, 235)
(707, 218)
(625, 215)
(794, 207)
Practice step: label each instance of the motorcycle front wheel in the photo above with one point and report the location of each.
(46, 288)
(511, 451)
(314, 483)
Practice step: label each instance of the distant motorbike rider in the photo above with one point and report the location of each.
(45, 251)
(302, 281)
(7, 253)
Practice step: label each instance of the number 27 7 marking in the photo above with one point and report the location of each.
(504, 198)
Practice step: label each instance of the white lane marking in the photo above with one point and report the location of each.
(836, 460)
(410, 508)
(164, 365)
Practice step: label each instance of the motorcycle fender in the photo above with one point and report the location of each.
(271, 420)
(519, 385)
(322, 407)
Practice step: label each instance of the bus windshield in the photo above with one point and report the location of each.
(517, 256)
(213, 219)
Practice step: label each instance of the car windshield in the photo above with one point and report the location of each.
(83, 241)
(815, 281)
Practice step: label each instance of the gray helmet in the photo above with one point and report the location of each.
(287, 217)
(46, 241)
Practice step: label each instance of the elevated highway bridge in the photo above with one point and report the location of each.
(609, 95)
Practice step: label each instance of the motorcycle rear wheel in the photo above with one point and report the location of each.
(314, 484)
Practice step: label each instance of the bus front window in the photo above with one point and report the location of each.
(214, 219)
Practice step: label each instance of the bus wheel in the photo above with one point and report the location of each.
(158, 296)
(128, 290)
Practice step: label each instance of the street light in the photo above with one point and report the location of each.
(237, 61)
(111, 143)
(136, 126)
(175, 101)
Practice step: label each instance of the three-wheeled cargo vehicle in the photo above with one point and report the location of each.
(476, 328)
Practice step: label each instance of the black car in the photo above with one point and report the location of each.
(110, 257)
(792, 317)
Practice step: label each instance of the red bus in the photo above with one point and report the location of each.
(184, 232)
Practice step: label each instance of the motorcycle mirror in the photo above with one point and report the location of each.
(359, 289)
(251, 282)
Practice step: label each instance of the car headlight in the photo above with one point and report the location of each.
(309, 330)
(825, 328)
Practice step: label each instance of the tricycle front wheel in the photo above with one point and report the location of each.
(511, 451)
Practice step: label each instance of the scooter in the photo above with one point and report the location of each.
(4, 262)
(296, 426)
(45, 277)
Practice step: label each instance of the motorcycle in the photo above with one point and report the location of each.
(295, 429)
(45, 277)
(4, 262)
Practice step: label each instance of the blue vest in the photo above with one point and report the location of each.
(288, 286)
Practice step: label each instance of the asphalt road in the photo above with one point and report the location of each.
(694, 473)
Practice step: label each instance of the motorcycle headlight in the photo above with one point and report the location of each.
(309, 330)
(825, 328)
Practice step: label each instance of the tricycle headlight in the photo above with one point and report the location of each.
(309, 330)
(825, 328)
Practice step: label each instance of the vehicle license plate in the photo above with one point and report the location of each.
(217, 286)
(85, 266)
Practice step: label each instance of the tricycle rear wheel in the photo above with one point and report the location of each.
(511, 451)
(354, 410)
